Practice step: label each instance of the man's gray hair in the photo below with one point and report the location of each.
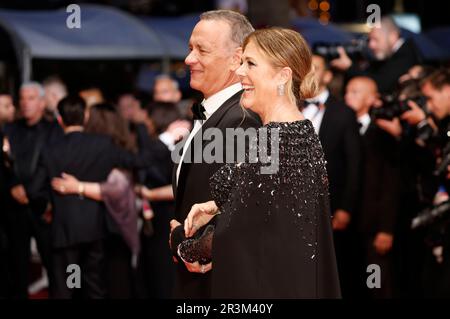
(389, 25)
(55, 81)
(167, 77)
(239, 24)
(35, 85)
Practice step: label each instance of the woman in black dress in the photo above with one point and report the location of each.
(272, 236)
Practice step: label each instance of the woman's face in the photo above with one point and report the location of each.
(258, 78)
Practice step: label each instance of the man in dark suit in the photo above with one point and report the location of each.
(27, 137)
(337, 128)
(378, 205)
(215, 55)
(78, 223)
(394, 56)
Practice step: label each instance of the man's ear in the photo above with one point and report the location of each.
(236, 59)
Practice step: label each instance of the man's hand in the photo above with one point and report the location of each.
(342, 63)
(393, 127)
(415, 115)
(341, 219)
(383, 243)
(179, 129)
(19, 194)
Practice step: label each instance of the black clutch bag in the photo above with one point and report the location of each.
(197, 248)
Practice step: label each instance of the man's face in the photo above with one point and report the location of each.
(211, 57)
(52, 97)
(323, 76)
(360, 95)
(128, 106)
(165, 91)
(6, 109)
(438, 100)
(31, 104)
(379, 43)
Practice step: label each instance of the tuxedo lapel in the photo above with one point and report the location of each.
(213, 121)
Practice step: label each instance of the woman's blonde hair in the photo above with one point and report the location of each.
(287, 48)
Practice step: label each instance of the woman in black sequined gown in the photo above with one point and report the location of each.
(272, 236)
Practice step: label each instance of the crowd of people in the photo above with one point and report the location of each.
(93, 182)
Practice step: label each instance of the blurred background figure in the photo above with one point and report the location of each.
(28, 137)
(336, 125)
(55, 91)
(156, 265)
(92, 96)
(377, 207)
(166, 89)
(393, 56)
(7, 109)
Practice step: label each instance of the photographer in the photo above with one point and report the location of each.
(393, 56)
(436, 88)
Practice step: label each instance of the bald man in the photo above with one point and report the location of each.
(393, 56)
(378, 205)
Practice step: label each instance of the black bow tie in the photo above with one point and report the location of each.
(198, 111)
(315, 102)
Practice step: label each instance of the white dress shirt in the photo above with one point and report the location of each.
(364, 121)
(314, 113)
(211, 105)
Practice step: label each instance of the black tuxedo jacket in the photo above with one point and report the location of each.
(89, 157)
(193, 181)
(380, 182)
(341, 143)
(193, 186)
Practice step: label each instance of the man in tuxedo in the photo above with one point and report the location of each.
(78, 223)
(393, 55)
(336, 125)
(380, 185)
(215, 55)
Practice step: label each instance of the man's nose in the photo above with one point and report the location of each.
(190, 59)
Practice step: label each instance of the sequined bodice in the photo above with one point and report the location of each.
(295, 188)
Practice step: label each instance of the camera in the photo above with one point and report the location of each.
(441, 169)
(329, 51)
(392, 107)
(431, 215)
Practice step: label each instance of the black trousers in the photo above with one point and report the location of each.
(90, 258)
(21, 225)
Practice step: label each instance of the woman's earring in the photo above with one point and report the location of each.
(280, 89)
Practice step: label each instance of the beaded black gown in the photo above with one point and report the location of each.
(273, 236)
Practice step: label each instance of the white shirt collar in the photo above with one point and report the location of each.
(365, 122)
(213, 103)
(321, 98)
(397, 45)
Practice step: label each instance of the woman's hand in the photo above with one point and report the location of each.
(196, 267)
(199, 215)
(66, 184)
